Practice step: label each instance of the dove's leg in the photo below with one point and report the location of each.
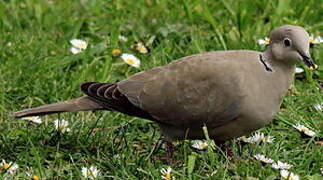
(225, 149)
(169, 151)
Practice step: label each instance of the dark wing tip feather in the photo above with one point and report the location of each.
(102, 90)
(85, 86)
(116, 94)
(108, 95)
(93, 89)
(108, 92)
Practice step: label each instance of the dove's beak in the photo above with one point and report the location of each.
(309, 61)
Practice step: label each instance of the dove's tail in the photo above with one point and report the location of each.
(84, 103)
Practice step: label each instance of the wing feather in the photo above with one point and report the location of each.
(185, 92)
(108, 96)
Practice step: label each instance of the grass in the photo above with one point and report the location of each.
(37, 68)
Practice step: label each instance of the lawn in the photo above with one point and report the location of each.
(37, 68)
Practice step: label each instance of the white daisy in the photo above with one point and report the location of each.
(261, 138)
(90, 173)
(318, 107)
(316, 40)
(140, 47)
(34, 119)
(116, 156)
(288, 175)
(131, 60)
(9, 167)
(200, 145)
(78, 46)
(310, 133)
(263, 158)
(61, 125)
(300, 127)
(244, 139)
(299, 70)
(31, 174)
(281, 165)
(122, 38)
(264, 42)
(304, 130)
(166, 173)
(321, 169)
(75, 50)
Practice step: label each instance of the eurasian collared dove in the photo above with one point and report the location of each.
(232, 93)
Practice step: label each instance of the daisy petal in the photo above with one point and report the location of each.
(264, 42)
(34, 119)
(9, 167)
(288, 175)
(166, 173)
(281, 165)
(315, 40)
(122, 38)
(78, 43)
(318, 107)
(299, 70)
(304, 129)
(61, 125)
(200, 145)
(75, 50)
(90, 173)
(131, 60)
(263, 158)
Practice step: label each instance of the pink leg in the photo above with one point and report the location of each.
(169, 152)
(227, 150)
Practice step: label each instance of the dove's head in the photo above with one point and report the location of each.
(291, 44)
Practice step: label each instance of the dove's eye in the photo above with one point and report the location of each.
(287, 42)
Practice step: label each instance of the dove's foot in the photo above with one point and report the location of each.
(225, 149)
(169, 153)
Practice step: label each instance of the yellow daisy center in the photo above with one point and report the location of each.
(142, 49)
(290, 178)
(34, 177)
(168, 176)
(116, 52)
(203, 145)
(89, 174)
(130, 61)
(61, 127)
(311, 40)
(83, 46)
(5, 166)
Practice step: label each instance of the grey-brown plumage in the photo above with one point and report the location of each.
(231, 92)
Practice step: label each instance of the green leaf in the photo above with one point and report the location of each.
(191, 164)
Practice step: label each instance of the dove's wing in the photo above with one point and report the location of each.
(189, 92)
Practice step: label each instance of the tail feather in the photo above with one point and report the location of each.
(84, 103)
